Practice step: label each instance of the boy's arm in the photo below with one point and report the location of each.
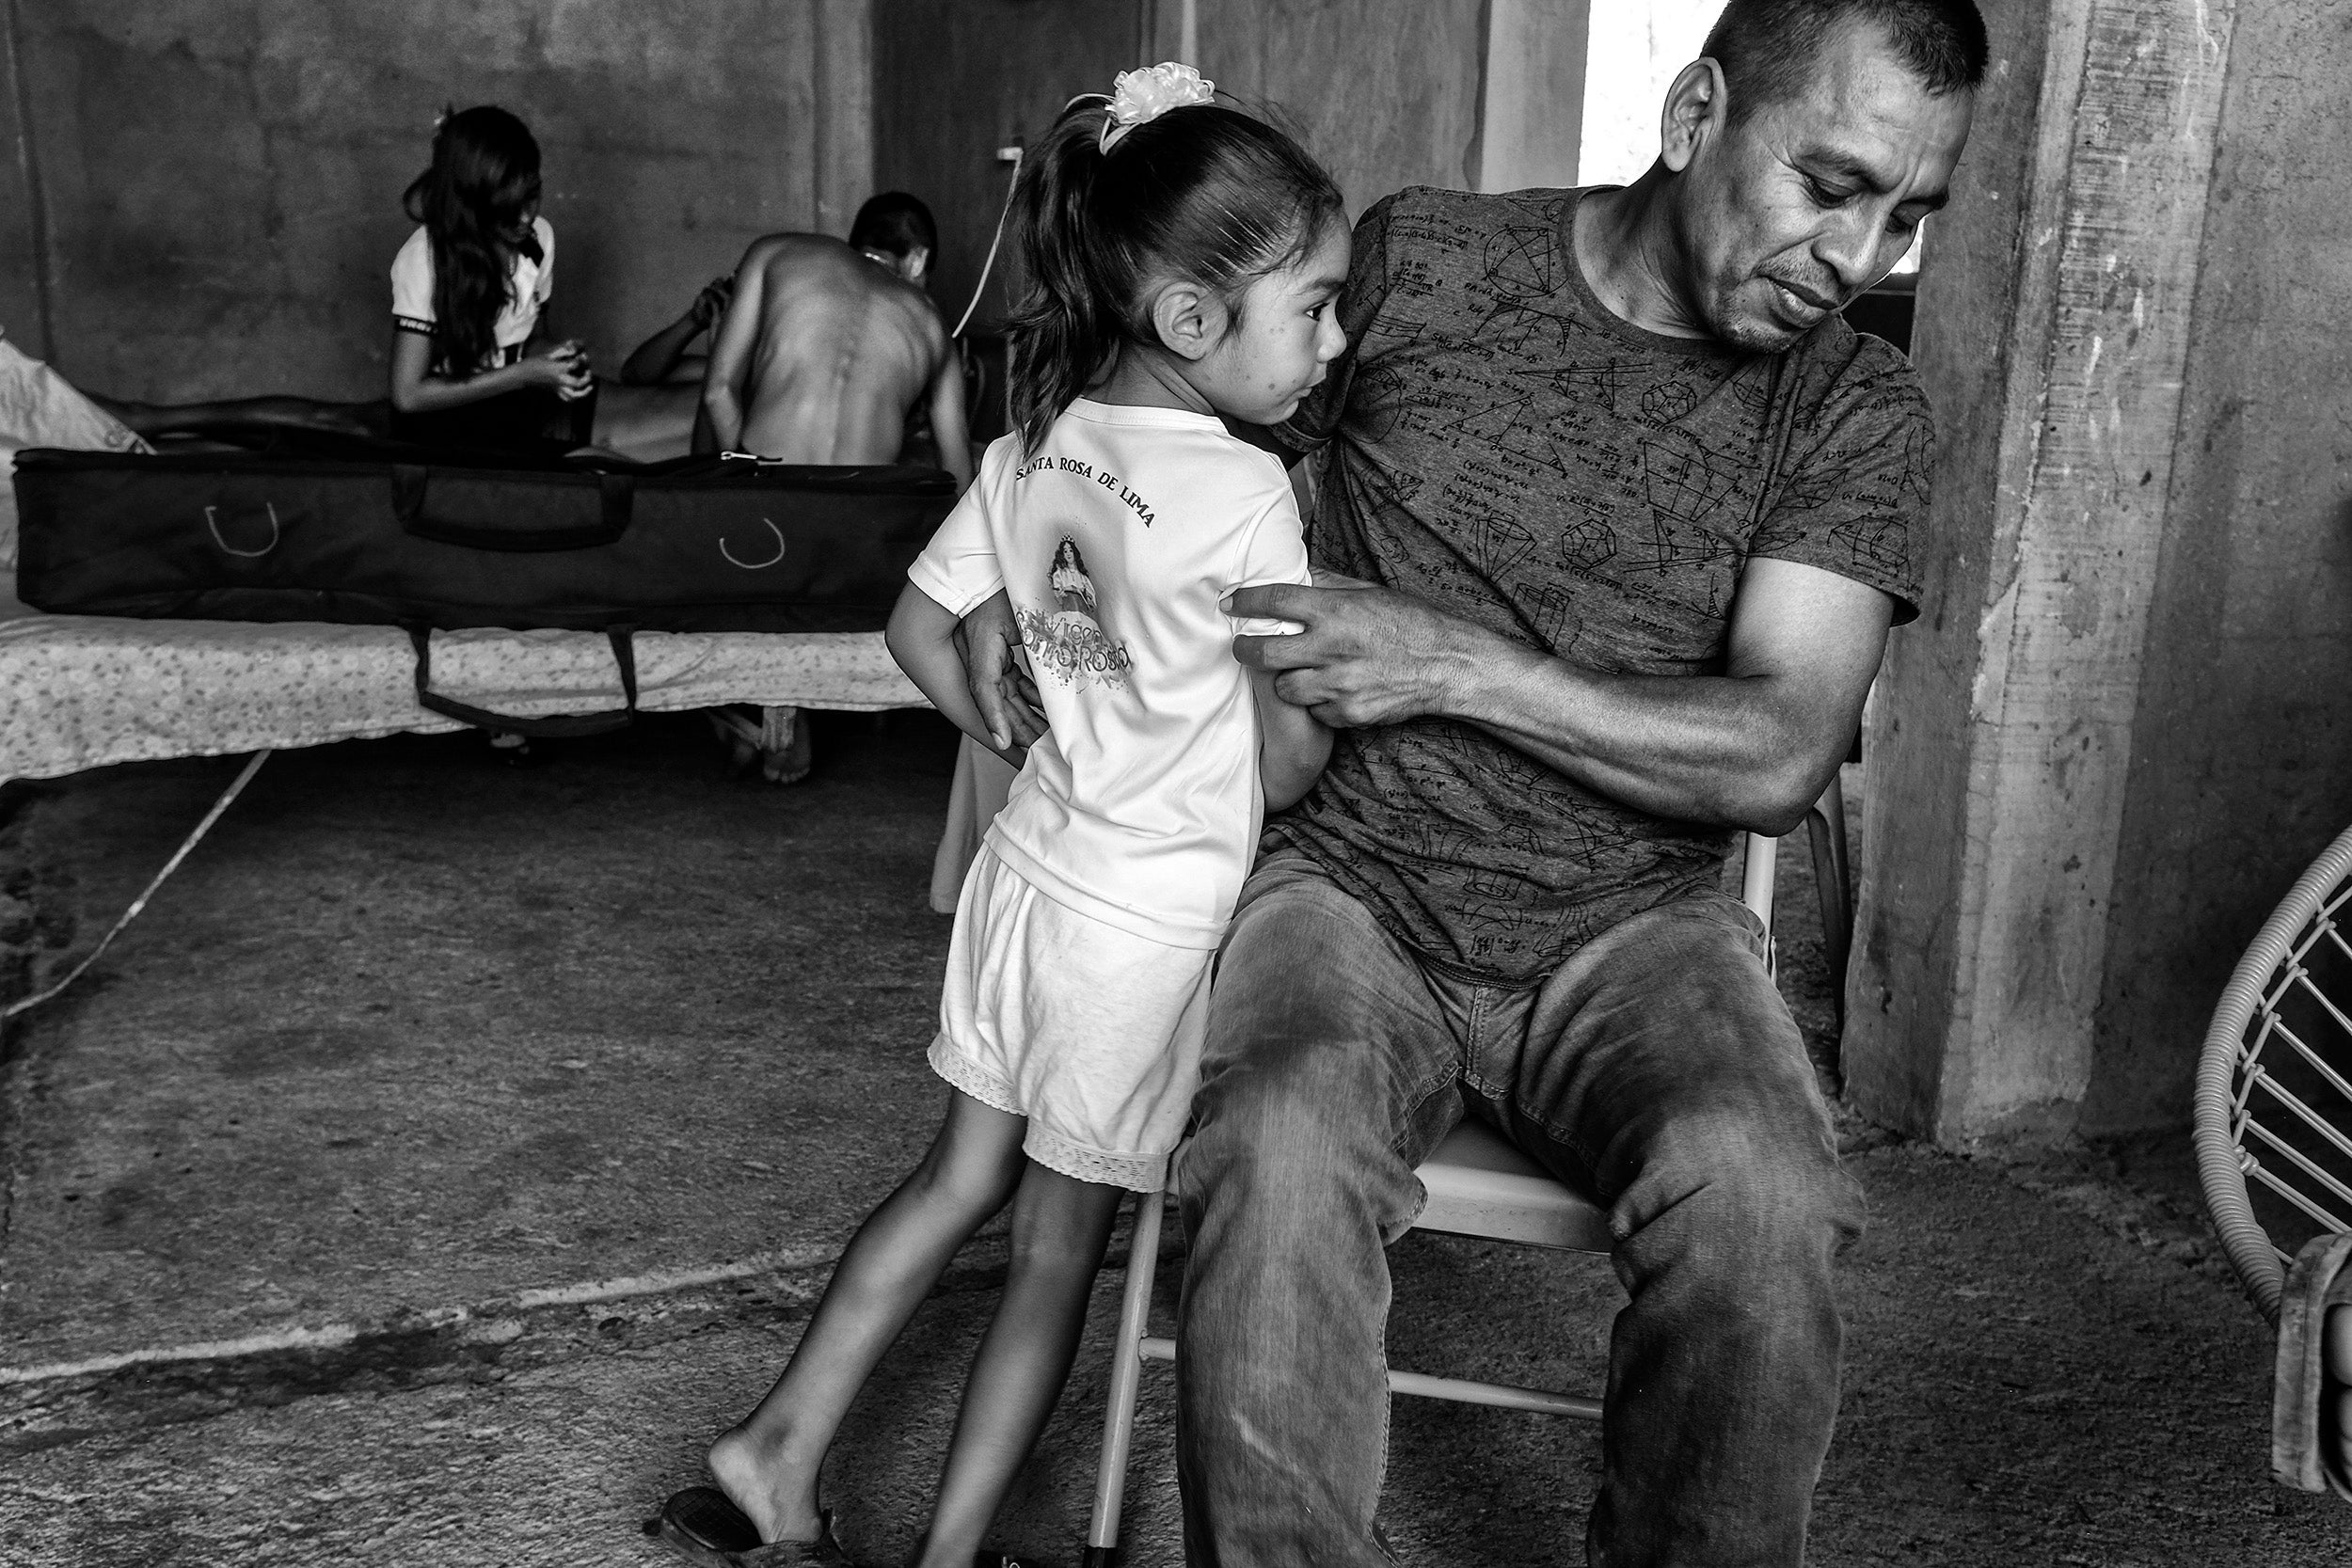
(651, 362)
(921, 637)
(948, 430)
(1293, 745)
(731, 352)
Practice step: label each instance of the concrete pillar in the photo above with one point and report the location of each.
(1385, 92)
(2054, 334)
(1532, 103)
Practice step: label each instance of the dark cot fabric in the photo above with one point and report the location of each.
(1500, 444)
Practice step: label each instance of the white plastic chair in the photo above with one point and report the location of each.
(2274, 1127)
(1478, 1185)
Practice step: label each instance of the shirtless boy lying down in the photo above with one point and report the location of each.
(826, 347)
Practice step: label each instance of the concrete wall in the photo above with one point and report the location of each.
(21, 252)
(219, 180)
(1480, 94)
(1385, 92)
(204, 195)
(957, 79)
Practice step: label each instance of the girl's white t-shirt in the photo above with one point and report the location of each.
(530, 284)
(1114, 542)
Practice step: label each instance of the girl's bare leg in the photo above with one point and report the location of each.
(768, 1465)
(1060, 1229)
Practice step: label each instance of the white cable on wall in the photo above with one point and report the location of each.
(1002, 212)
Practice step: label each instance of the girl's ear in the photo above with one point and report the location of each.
(1187, 318)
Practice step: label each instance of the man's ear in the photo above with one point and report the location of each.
(1187, 318)
(1694, 111)
(915, 264)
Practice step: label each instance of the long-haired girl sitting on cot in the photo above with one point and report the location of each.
(1182, 261)
(468, 289)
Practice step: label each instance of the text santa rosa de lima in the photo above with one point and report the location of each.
(1084, 470)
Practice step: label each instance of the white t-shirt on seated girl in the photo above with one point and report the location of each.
(529, 285)
(1116, 542)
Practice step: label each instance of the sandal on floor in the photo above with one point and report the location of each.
(1003, 1560)
(703, 1526)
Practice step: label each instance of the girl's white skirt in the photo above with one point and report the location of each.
(1090, 1032)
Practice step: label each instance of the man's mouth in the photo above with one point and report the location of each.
(1801, 302)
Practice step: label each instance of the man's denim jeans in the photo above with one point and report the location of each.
(1656, 1069)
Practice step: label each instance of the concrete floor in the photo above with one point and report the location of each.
(450, 1150)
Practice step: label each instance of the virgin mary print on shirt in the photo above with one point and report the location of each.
(1069, 645)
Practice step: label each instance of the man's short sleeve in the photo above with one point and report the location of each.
(412, 285)
(1367, 290)
(1854, 488)
(1273, 549)
(960, 567)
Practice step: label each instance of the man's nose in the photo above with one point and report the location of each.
(1850, 249)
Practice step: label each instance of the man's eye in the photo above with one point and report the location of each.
(1825, 195)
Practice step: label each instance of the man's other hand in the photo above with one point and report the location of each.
(1369, 655)
(988, 641)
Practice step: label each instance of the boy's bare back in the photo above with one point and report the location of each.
(822, 353)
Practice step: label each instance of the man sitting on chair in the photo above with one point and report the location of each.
(1615, 511)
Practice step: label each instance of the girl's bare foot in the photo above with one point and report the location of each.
(757, 1479)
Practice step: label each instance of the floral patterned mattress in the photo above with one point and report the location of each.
(82, 691)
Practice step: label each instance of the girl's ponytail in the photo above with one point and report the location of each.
(1197, 192)
(1059, 331)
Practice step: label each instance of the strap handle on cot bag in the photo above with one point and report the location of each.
(554, 726)
(495, 510)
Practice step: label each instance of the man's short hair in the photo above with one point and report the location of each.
(1767, 48)
(896, 223)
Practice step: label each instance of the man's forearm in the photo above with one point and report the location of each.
(1749, 748)
(1715, 749)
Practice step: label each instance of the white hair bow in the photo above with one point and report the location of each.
(1140, 96)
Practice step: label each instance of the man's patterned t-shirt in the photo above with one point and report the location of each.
(1500, 444)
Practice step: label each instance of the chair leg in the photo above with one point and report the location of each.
(1832, 882)
(1756, 891)
(1118, 1421)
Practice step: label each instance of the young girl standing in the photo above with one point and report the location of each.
(1182, 262)
(468, 288)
